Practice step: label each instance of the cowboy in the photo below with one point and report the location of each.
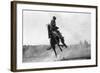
(54, 28)
(53, 24)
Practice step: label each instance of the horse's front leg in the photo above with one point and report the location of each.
(63, 42)
(59, 47)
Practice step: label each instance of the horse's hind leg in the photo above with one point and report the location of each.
(54, 50)
(58, 44)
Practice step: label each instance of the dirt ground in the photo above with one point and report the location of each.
(39, 53)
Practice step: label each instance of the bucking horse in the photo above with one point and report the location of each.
(55, 40)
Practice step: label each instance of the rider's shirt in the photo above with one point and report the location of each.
(53, 25)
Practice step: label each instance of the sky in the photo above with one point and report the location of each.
(75, 27)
